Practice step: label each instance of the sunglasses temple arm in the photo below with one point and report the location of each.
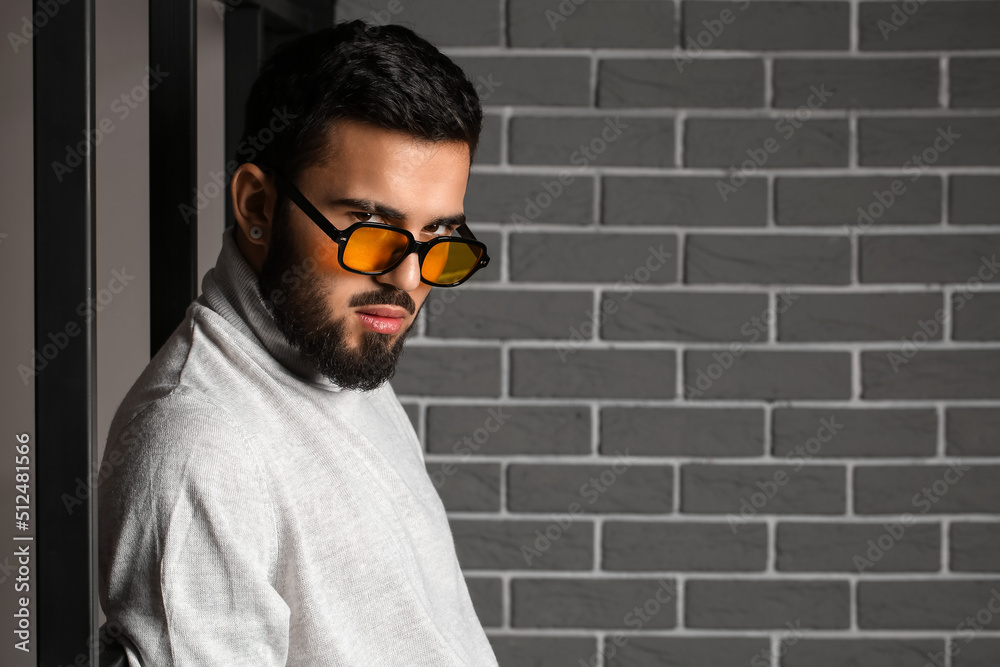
(307, 207)
(465, 232)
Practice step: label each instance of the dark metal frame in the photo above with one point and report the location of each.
(65, 276)
(173, 156)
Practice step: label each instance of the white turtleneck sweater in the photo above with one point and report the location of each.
(256, 514)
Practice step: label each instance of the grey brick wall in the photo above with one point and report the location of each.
(729, 393)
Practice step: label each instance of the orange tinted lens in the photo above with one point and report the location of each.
(371, 249)
(450, 261)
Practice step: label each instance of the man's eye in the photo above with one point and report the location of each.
(441, 229)
(365, 216)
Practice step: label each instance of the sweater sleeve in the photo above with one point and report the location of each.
(198, 576)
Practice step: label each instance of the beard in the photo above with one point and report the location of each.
(303, 316)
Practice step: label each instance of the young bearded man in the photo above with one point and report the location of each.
(268, 502)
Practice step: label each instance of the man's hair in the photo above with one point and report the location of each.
(385, 75)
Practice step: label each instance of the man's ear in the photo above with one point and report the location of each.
(254, 196)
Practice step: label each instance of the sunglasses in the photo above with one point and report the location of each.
(373, 248)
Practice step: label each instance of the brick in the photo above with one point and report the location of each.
(813, 259)
(981, 653)
(925, 605)
(862, 433)
(860, 652)
(544, 651)
(593, 373)
(975, 316)
(473, 487)
(466, 429)
(412, 411)
(858, 83)
(927, 258)
(928, 489)
(836, 200)
(763, 25)
(783, 141)
(529, 80)
(848, 317)
(696, 316)
(611, 140)
(443, 23)
(973, 82)
(858, 548)
(741, 604)
(969, 24)
(715, 651)
(767, 374)
(975, 200)
(930, 374)
(495, 545)
(521, 200)
(973, 431)
(487, 599)
(594, 603)
(683, 546)
(680, 83)
(683, 431)
(448, 371)
(488, 150)
(974, 547)
(730, 489)
(588, 257)
(914, 144)
(688, 201)
(509, 314)
(615, 485)
(599, 24)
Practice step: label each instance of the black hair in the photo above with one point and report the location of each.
(385, 75)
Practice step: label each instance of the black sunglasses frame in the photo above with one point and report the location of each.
(341, 236)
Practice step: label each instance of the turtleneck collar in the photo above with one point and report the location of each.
(231, 290)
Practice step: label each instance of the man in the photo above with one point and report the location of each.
(269, 503)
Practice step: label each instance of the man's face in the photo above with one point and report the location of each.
(321, 312)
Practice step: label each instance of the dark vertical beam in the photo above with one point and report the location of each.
(65, 389)
(244, 41)
(173, 219)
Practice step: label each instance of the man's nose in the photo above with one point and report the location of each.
(406, 276)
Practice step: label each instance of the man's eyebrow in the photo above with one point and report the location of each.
(369, 206)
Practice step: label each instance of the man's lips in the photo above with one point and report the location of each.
(383, 311)
(382, 319)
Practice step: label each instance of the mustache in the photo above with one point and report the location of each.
(384, 297)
